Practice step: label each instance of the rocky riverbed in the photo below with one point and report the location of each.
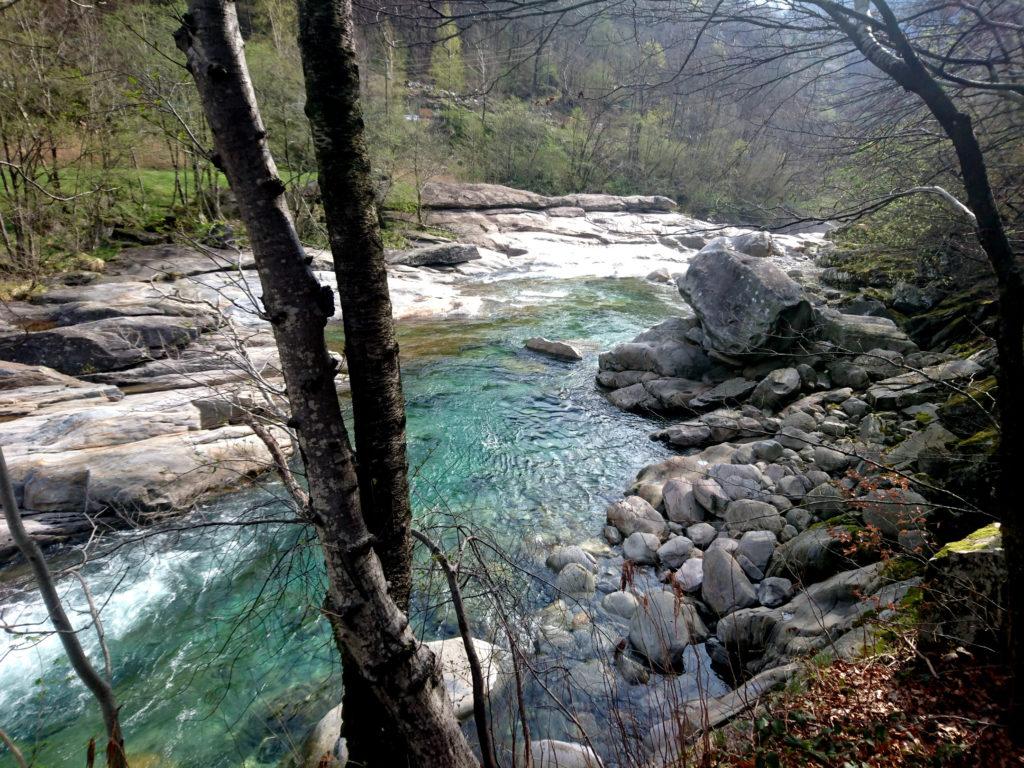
(802, 506)
(125, 393)
(799, 418)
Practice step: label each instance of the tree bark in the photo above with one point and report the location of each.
(367, 625)
(371, 348)
(86, 672)
(902, 64)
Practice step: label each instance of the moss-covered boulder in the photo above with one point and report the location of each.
(964, 594)
(971, 412)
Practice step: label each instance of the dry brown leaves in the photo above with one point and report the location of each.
(888, 712)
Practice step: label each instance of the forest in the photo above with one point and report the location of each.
(577, 383)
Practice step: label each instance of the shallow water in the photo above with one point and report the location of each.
(220, 658)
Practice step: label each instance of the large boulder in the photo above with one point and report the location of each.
(814, 554)
(745, 515)
(815, 618)
(442, 195)
(965, 603)
(440, 255)
(680, 503)
(663, 350)
(663, 626)
(451, 658)
(894, 510)
(660, 395)
(855, 334)
(19, 376)
(102, 345)
(777, 388)
(746, 305)
(557, 349)
(633, 514)
(916, 387)
(725, 587)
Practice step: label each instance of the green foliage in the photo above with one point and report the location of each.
(446, 66)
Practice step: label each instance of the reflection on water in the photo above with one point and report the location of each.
(220, 656)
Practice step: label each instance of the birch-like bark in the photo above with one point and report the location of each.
(368, 626)
(371, 348)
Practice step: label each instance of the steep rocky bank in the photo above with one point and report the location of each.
(808, 495)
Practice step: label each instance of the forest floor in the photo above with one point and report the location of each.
(889, 710)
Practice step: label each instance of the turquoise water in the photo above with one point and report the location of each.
(220, 657)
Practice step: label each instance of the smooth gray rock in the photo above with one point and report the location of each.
(680, 503)
(633, 514)
(751, 571)
(810, 621)
(774, 591)
(776, 388)
(846, 374)
(701, 534)
(767, 450)
(758, 546)
(813, 555)
(799, 518)
(563, 555)
(556, 349)
(894, 510)
(739, 481)
(440, 255)
(854, 334)
(709, 494)
(641, 548)
(745, 305)
(663, 626)
(792, 487)
(102, 345)
(830, 460)
(726, 587)
(751, 515)
(729, 392)
(667, 357)
(576, 580)
(622, 604)
(794, 438)
(690, 575)
(674, 552)
(824, 501)
(912, 388)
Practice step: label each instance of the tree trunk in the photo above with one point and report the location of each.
(368, 626)
(902, 65)
(86, 672)
(371, 348)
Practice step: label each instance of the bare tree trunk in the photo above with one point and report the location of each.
(902, 64)
(367, 624)
(371, 348)
(86, 672)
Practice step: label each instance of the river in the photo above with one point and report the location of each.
(220, 656)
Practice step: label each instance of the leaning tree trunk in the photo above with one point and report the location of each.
(371, 349)
(368, 626)
(99, 687)
(901, 63)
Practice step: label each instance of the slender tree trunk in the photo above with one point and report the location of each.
(368, 626)
(86, 672)
(902, 64)
(371, 348)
